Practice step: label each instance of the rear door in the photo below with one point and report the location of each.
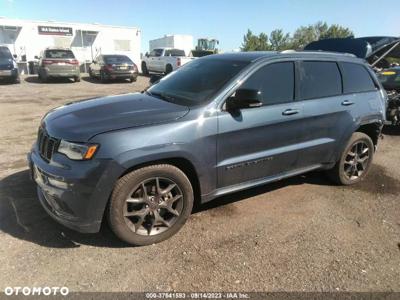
(259, 142)
(330, 108)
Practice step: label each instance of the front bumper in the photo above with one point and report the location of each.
(9, 74)
(74, 193)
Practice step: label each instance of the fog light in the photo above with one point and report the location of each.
(58, 183)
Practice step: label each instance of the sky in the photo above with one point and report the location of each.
(226, 20)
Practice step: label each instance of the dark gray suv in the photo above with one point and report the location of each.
(219, 124)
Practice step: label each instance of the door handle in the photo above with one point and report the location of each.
(290, 112)
(347, 102)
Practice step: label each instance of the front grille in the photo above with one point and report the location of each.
(46, 144)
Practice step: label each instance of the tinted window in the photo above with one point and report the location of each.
(61, 54)
(274, 81)
(5, 54)
(117, 59)
(197, 81)
(356, 78)
(156, 52)
(319, 79)
(174, 52)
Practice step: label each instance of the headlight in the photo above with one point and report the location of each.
(77, 151)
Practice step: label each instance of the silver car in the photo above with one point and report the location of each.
(57, 62)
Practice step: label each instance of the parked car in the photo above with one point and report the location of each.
(57, 63)
(390, 79)
(164, 60)
(221, 124)
(107, 67)
(8, 66)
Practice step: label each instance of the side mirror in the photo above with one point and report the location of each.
(36, 57)
(243, 98)
(147, 54)
(15, 55)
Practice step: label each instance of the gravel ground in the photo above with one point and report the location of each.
(301, 234)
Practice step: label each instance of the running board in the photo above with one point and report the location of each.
(257, 182)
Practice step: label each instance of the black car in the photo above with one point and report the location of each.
(108, 67)
(390, 79)
(8, 66)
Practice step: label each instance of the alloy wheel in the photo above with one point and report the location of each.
(357, 160)
(153, 206)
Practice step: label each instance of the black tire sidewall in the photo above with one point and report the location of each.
(125, 185)
(145, 71)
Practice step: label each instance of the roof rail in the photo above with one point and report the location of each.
(317, 51)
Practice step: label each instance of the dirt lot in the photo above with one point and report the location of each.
(299, 234)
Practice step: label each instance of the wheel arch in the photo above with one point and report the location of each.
(184, 164)
(373, 130)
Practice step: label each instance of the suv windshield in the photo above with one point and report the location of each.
(60, 54)
(197, 81)
(5, 54)
(117, 59)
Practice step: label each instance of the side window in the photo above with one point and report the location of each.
(319, 79)
(356, 78)
(275, 82)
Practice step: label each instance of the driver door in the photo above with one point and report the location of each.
(260, 142)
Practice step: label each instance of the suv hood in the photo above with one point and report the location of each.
(79, 121)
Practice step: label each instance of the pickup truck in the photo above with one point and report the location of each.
(164, 60)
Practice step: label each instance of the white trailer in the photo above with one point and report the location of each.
(176, 41)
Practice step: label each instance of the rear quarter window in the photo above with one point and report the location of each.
(319, 79)
(356, 78)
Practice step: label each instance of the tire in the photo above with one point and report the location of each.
(132, 79)
(132, 229)
(145, 71)
(339, 173)
(91, 74)
(168, 69)
(103, 78)
(42, 78)
(77, 78)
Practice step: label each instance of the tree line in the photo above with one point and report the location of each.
(278, 40)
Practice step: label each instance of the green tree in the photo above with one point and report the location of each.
(279, 41)
(252, 42)
(318, 31)
(336, 31)
(302, 36)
